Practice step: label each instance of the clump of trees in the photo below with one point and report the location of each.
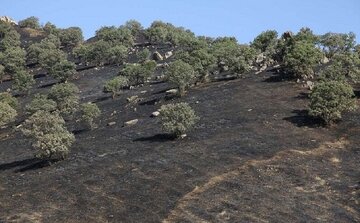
(50, 57)
(238, 58)
(266, 43)
(300, 59)
(200, 58)
(335, 43)
(31, 22)
(48, 134)
(138, 73)
(71, 37)
(178, 118)
(115, 35)
(161, 32)
(101, 52)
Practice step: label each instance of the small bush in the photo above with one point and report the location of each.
(66, 97)
(180, 74)
(63, 70)
(143, 55)
(89, 112)
(49, 135)
(7, 98)
(329, 99)
(23, 81)
(41, 103)
(31, 22)
(7, 114)
(177, 118)
(115, 85)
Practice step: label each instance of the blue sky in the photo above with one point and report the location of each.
(242, 19)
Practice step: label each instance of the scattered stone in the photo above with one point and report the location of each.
(309, 85)
(160, 77)
(325, 60)
(183, 136)
(172, 91)
(132, 98)
(224, 68)
(157, 56)
(143, 92)
(111, 123)
(131, 122)
(113, 113)
(168, 54)
(155, 114)
(276, 66)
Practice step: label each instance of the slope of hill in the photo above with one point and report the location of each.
(254, 156)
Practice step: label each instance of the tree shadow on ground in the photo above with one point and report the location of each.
(79, 131)
(100, 99)
(156, 138)
(26, 164)
(277, 76)
(302, 96)
(48, 85)
(158, 100)
(303, 119)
